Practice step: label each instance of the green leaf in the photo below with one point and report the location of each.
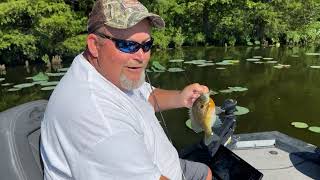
(299, 124)
(48, 88)
(40, 77)
(158, 66)
(175, 70)
(315, 129)
(241, 110)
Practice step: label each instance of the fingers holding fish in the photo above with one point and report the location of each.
(191, 92)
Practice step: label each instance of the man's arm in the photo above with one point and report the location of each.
(169, 99)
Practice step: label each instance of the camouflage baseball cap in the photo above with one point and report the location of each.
(120, 14)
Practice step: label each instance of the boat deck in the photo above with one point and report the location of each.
(279, 156)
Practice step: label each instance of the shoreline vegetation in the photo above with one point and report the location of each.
(38, 30)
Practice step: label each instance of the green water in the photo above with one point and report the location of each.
(275, 97)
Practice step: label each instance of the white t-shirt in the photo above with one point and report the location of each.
(94, 131)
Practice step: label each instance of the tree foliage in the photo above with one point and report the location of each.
(30, 29)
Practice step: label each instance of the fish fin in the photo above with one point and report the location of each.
(195, 126)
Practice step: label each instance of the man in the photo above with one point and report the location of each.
(100, 121)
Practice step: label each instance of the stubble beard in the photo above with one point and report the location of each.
(128, 84)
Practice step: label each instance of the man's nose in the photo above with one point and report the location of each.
(140, 55)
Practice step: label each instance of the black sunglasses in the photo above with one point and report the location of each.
(128, 46)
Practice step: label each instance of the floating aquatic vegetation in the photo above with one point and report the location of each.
(2, 79)
(315, 129)
(40, 77)
(196, 62)
(176, 60)
(48, 88)
(238, 89)
(157, 66)
(6, 84)
(241, 110)
(148, 70)
(39, 82)
(56, 74)
(233, 89)
(226, 91)
(294, 55)
(175, 69)
(257, 57)
(225, 63)
(13, 89)
(28, 78)
(313, 54)
(271, 62)
(315, 67)
(156, 70)
(267, 58)
(51, 83)
(220, 68)
(23, 85)
(299, 124)
(63, 69)
(280, 66)
(205, 64)
(252, 59)
(258, 62)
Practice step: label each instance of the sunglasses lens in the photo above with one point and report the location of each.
(127, 46)
(132, 47)
(147, 46)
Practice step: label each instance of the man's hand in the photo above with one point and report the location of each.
(168, 99)
(190, 93)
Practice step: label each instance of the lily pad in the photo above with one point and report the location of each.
(28, 78)
(299, 124)
(40, 77)
(51, 83)
(176, 60)
(2, 79)
(148, 70)
(258, 62)
(224, 63)
(196, 62)
(313, 54)
(295, 56)
(48, 88)
(13, 89)
(238, 89)
(315, 129)
(6, 84)
(175, 70)
(158, 66)
(271, 62)
(24, 85)
(252, 59)
(56, 74)
(315, 67)
(157, 70)
(226, 91)
(257, 57)
(267, 58)
(241, 110)
(63, 69)
(205, 64)
(220, 68)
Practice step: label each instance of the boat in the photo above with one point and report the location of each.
(267, 155)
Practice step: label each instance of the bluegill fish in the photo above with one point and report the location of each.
(203, 116)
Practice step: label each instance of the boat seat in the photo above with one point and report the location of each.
(20, 139)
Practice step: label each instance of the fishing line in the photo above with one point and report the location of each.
(158, 107)
(162, 118)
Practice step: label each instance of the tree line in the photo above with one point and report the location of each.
(36, 29)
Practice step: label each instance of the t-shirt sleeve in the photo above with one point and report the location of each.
(120, 156)
(146, 90)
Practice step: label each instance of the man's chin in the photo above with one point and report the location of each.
(131, 84)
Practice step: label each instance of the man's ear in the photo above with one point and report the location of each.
(92, 43)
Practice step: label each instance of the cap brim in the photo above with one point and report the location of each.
(156, 20)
